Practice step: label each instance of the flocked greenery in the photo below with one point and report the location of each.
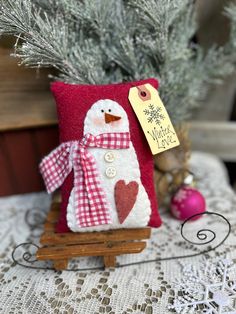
(103, 41)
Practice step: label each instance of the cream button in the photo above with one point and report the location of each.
(111, 172)
(109, 157)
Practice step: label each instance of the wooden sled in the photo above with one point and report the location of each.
(60, 247)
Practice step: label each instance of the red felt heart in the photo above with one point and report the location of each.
(125, 198)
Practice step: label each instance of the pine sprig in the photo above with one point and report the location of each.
(104, 41)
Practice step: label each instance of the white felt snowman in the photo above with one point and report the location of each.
(107, 116)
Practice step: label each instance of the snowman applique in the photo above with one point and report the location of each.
(107, 192)
(118, 170)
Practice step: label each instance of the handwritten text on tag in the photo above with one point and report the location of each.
(153, 118)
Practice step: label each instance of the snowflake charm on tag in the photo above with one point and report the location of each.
(154, 114)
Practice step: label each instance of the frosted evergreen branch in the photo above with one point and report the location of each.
(104, 41)
(231, 13)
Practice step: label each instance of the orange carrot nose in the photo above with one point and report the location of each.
(111, 118)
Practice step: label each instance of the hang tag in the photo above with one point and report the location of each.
(153, 118)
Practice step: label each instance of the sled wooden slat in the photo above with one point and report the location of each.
(48, 226)
(60, 264)
(60, 247)
(106, 249)
(52, 216)
(95, 237)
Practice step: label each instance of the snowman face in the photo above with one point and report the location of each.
(106, 116)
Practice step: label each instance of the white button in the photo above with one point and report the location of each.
(109, 157)
(111, 172)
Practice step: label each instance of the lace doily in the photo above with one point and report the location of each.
(148, 288)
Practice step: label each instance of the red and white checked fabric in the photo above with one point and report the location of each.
(90, 200)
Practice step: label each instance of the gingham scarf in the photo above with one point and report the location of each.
(89, 197)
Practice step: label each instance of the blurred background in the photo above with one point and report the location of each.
(28, 123)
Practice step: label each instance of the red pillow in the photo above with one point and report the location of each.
(73, 102)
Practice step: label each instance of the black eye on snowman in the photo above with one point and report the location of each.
(102, 111)
(109, 110)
